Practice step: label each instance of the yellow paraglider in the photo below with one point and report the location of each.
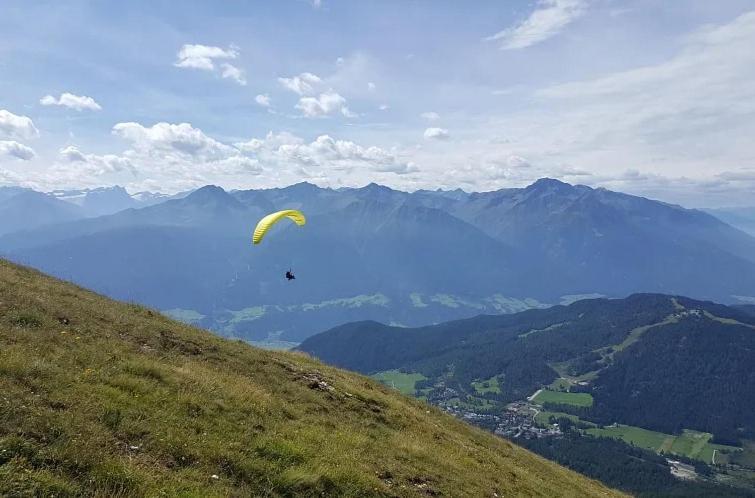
(271, 219)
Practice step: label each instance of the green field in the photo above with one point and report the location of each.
(543, 417)
(744, 457)
(487, 386)
(576, 399)
(637, 436)
(398, 380)
(692, 444)
(560, 384)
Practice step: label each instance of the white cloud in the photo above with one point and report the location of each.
(16, 150)
(270, 142)
(325, 104)
(18, 127)
(324, 155)
(234, 73)
(383, 107)
(175, 139)
(233, 166)
(303, 84)
(203, 56)
(546, 21)
(430, 116)
(77, 102)
(94, 164)
(9, 178)
(437, 134)
(371, 86)
(263, 100)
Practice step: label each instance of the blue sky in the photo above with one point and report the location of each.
(649, 97)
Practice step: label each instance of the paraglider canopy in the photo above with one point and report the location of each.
(271, 219)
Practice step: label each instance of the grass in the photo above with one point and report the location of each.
(99, 398)
(576, 399)
(744, 456)
(692, 444)
(186, 316)
(543, 417)
(637, 436)
(560, 384)
(487, 386)
(404, 382)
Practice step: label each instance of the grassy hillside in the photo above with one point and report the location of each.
(102, 398)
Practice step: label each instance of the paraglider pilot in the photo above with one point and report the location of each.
(290, 276)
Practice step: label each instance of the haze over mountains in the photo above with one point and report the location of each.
(377, 253)
(742, 218)
(26, 209)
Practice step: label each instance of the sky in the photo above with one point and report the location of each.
(655, 98)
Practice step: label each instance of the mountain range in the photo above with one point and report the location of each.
(396, 257)
(23, 209)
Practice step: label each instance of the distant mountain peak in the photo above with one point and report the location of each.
(303, 186)
(376, 187)
(550, 184)
(208, 190)
(211, 194)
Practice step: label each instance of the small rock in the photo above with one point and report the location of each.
(214, 476)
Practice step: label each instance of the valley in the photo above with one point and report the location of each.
(555, 385)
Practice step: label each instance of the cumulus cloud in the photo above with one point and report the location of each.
(18, 127)
(323, 105)
(9, 178)
(430, 116)
(96, 164)
(204, 57)
(14, 149)
(237, 165)
(177, 139)
(263, 100)
(77, 102)
(549, 19)
(324, 154)
(303, 84)
(371, 86)
(437, 134)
